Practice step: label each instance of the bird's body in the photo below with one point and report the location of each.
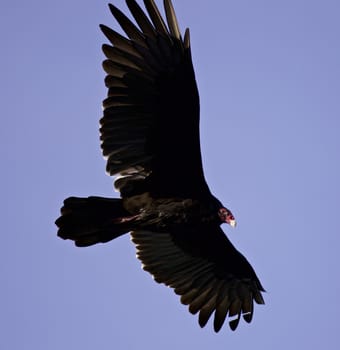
(150, 136)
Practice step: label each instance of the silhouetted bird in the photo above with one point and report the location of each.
(150, 136)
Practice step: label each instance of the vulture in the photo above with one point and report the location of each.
(149, 136)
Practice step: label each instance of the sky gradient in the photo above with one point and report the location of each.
(268, 73)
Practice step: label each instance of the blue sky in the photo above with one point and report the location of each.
(269, 80)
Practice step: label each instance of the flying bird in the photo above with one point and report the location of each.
(150, 137)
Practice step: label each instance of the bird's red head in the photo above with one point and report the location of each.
(227, 216)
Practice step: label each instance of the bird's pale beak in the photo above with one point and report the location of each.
(232, 223)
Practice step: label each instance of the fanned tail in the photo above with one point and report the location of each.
(92, 220)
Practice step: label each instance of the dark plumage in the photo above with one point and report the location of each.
(150, 136)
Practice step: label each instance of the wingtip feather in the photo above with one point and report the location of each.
(172, 19)
(187, 39)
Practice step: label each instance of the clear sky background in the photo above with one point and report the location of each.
(269, 79)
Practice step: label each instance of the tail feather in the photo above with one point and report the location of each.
(92, 220)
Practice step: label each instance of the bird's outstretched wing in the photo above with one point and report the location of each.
(150, 127)
(205, 269)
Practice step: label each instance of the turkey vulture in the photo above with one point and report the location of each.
(150, 136)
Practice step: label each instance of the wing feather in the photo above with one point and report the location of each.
(156, 18)
(129, 28)
(172, 20)
(209, 307)
(141, 19)
(119, 41)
